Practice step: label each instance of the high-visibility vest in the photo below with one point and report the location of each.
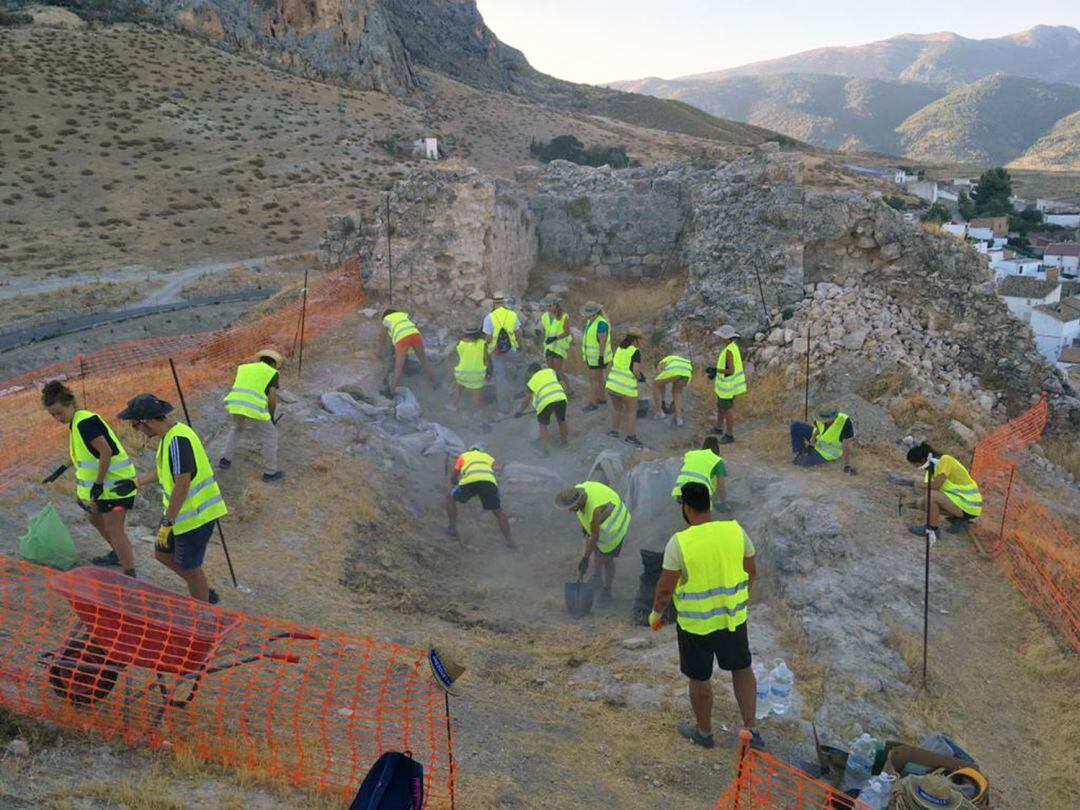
(476, 465)
(85, 463)
(674, 366)
(553, 327)
(730, 385)
(203, 503)
(717, 588)
(400, 326)
(546, 389)
(506, 320)
(248, 395)
(470, 370)
(827, 443)
(620, 380)
(965, 495)
(590, 342)
(697, 468)
(613, 528)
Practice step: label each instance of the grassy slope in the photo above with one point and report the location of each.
(1058, 149)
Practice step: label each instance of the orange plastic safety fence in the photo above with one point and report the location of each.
(1021, 533)
(106, 379)
(764, 783)
(93, 650)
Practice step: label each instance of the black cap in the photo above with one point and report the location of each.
(145, 406)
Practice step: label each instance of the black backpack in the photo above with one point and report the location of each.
(502, 342)
(395, 782)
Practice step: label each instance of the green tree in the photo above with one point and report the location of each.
(896, 201)
(936, 213)
(995, 188)
(965, 205)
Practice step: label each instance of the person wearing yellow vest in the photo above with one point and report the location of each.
(403, 333)
(557, 339)
(503, 330)
(470, 371)
(104, 473)
(704, 466)
(953, 491)
(596, 351)
(191, 500)
(677, 371)
(604, 521)
(251, 403)
(622, 385)
(545, 394)
(824, 440)
(473, 476)
(708, 570)
(729, 382)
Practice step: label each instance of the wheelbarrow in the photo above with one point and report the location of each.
(124, 622)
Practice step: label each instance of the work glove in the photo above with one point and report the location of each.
(849, 469)
(124, 487)
(656, 620)
(163, 532)
(549, 341)
(95, 491)
(710, 373)
(583, 566)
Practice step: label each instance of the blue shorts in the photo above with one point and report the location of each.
(189, 548)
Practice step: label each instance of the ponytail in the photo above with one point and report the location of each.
(54, 392)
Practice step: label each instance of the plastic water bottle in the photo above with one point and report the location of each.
(878, 791)
(764, 707)
(860, 763)
(781, 679)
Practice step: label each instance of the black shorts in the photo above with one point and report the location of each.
(597, 366)
(485, 490)
(723, 405)
(551, 354)
(189, 549)
(730, 648)
(557, 408)
(127, 504)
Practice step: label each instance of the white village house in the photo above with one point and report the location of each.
(1065, 255)
(1066, 219)
(1022, 295)
(1056, 326)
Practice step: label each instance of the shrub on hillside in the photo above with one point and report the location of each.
(567, 147)
(10, 19)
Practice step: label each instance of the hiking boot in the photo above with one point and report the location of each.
(269, 477)
(689, 729)
(592, 406)
(956, 525)
(613, 434)
(106, 559)
(634, 441)
(756, 741)
(213, 598)
(659, 416)
(920, 531)
(224, 464)
(727, 438)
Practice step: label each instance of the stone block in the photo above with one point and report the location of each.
(652, 259)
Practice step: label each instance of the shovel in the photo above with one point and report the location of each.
(579, 597)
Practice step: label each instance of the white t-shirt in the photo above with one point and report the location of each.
(673, 559)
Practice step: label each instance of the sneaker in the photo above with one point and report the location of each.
(224, 464)
(213, 598)
(756, 741)
(634, 441)
(106, 559)
(689, 729)
(659, 416)
(592, 406)
(451, 531)
(613, 434)
(920, 531)
(268, 477)
(679, 422)
(727, 438)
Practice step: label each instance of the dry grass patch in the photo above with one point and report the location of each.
(1063, 452)
(800, 657)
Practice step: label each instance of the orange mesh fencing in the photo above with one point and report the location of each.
(1018, 530)
(93, 650)
(764, 783)
(105, 380)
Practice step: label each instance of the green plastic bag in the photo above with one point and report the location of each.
(47, 541)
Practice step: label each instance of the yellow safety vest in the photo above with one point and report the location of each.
(203, 503)
(590, 343)
(476, 466)
(506, 320)
(248, 395)
(674, 366)
(546, 389)
(400, 326)
(730, 386)
(827, 443)
(85, 462)
(965, 495)
(470, 370)
(620, 379)
(614, 527)
(717, 588)
(697, 469)
(553, 327)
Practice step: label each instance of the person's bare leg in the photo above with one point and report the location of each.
(197, 584)
(451, 513)
(745, 685)
(701, 701)
(97, 520)
(118, 539)
(719, 422)
(658, 396)
(564, 432)
(596, 379)
(630, 416)
(720, 496)
(455, 396)
(603, 382)
(729, 419)
(543, 434)
(607, 573)
(427, 367)
(504, 525)
(676, 396)
(400, 353)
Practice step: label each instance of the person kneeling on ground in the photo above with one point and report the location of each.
(547, 397)
(952, 489)
(404, 335)
(704, 466)
(708, 570)
(474, 476)
(252, 403)
(604, 521)
(824, 440)
(678, 371)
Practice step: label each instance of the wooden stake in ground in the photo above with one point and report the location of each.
(926, 578)
(806, 387)
(303, 318)
(389, 250)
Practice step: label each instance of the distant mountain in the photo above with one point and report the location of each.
(1059, 149)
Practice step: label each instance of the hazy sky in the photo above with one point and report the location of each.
(604, 40)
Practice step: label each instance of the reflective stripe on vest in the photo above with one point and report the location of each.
(697, 467)
(546, 389)
(590, 342)
(553, 327)
(121, 467)
(967, 498)
(673, 366)
(248, 395)
(614, 527)
(716, 592)
(506, 320)
(476, 466)
(828, 444)
(400, 326)
(470, 370)
(620, 379)
(733, 384)
(204, 502)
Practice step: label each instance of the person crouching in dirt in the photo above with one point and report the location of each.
(708, 570)
(678, 371)
(104, 473)
(190, 497)
(604, 521)
(473, 476)
(704, 466)
(824, 440)
(952, 489)
(404, 335)
(548, 398)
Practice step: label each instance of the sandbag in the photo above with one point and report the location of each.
(47, 541)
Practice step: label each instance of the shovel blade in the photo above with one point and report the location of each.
(579, 597)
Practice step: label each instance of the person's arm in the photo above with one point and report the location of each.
(271, 401)
(635, 367)
(729, 365)
(104, 459)
(181, 485)
(525, 401)
(593, 537)
(720, 490)
(665, 589)
(382, 342)
(749, 565)
(148, 478)
(601, 340)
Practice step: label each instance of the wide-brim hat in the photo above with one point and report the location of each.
(591, 308)
(931, 792)
(727, 331)
(828, 412)
(145, 406)
(634, 331)
(473, 331)
(445, 670)
(271, 354)
(570, 498)
(498, 295)
(549, 300)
